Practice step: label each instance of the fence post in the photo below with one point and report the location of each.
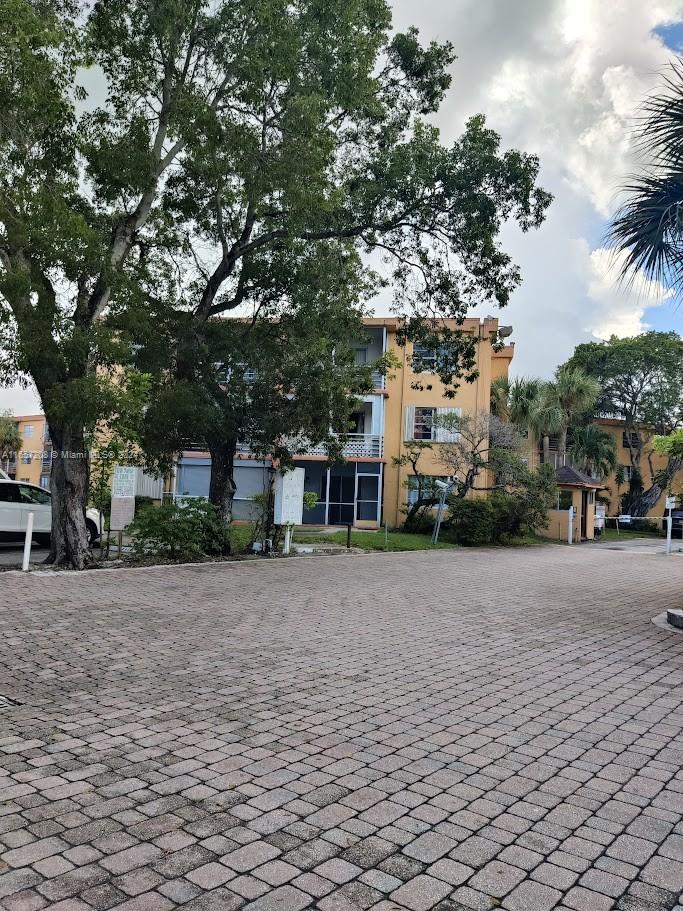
(348, 537)
(27, 543)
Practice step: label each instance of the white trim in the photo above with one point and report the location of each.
(409, 425)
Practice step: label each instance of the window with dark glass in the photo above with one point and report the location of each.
(423, 427)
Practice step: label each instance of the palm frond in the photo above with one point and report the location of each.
(648, 229)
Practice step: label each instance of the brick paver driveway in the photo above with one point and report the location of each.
(451, 730)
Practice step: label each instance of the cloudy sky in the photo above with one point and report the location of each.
(563, 79)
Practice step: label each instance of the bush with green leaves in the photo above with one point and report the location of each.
(505, 514)
(470, 522)
(180, 530)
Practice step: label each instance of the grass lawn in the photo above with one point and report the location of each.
(611, 534)
(373, 540)
(398, 540)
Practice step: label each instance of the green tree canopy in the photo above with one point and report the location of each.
(231, 134)
(641, 382)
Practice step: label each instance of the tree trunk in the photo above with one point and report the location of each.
(638, 502)
(562, 448)
(546, 449)
(222, 483)
(69, 543)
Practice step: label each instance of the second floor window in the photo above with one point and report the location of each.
(423, 424)
(427, 423)
(630, 439)
(28, 430)
(26, 458)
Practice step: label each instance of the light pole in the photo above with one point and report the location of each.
(444, 490)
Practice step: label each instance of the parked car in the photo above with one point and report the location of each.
(676, 523)
(18, 499)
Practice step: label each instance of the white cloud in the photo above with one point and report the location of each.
(619, 306)
(563, 79)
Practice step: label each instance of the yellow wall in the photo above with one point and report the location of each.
(470, 397)
(33, 445)
(558, 527)
(616, 428)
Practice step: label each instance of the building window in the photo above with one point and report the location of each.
(565, 499)
(630, 437)
(361, 356)
(423, 424)
(425, 483)
(26, 458)
(425, 360)
(45, 481)
(28, 430)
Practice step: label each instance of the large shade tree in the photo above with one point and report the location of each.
(230, 133)
(641, 383)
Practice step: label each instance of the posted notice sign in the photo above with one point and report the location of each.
(289, 497)
(123, 482)
(671, 502)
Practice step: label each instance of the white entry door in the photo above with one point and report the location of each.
(39, 502)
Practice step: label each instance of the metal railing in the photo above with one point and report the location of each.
(357, 446)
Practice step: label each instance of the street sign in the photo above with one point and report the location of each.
(289, 497)
(671, 502)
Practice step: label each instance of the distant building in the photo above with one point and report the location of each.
(33, 462)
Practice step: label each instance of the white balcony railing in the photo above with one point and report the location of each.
(357, 446)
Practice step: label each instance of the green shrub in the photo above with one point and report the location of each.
(495, 519)
(470, 522)
(180, 531)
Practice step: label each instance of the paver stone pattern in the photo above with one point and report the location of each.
(446, 730)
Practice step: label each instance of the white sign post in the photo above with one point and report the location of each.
(27, 543)
(570, 526)
(670, 505)
(122, 500)
(289, 502)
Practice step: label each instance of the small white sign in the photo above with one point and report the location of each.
(671, 502)
(122, 513)
(289, 497)
(625, 519)
(124, 481)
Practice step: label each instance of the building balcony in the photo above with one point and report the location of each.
(357, 446)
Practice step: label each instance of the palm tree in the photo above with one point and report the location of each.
(500, 398)
(545, 417)
(594, 450)
(648, 229)
(523, 397)
(576, 395)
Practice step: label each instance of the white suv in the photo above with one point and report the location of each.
(18, 499)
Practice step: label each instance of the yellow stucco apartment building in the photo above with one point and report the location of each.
(368, 489)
